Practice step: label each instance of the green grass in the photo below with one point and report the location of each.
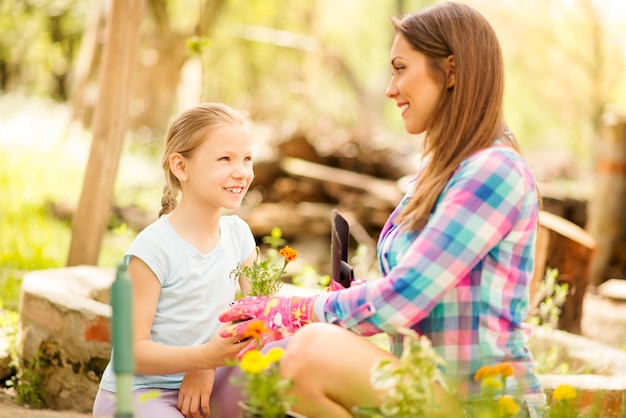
(38, 167)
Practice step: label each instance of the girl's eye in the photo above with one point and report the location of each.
(224, 159)
(248, 159)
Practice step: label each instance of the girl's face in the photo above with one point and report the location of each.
(412, 85)
(219, 172)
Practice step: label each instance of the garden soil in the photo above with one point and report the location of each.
(9, 408)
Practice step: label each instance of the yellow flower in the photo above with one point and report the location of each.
(507, 406)
(254, 362)
(289, 253)
(255, 330)
(275, 354)
(564, 392)
(491, 383)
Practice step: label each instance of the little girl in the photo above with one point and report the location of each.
(180, 271)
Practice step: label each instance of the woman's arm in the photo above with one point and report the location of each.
(489, 194)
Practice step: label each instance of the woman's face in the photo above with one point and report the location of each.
(412, 85)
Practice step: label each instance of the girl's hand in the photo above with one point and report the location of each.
(224, 348)
(195, 392)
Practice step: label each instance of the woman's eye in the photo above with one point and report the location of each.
(398, 68)
(248, 159)
(223, 159)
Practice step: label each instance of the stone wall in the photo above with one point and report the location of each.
(65, 333)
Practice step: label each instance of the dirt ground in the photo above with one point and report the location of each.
(9, 408)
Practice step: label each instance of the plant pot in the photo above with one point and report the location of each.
(367, 412)
(372, 412)
(248, 414)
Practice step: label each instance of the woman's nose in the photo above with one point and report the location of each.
(391, 90)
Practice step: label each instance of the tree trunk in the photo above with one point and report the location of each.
(564, 246)
(118, 65)
(607, 219)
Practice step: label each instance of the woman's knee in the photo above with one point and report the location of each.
(305, 351)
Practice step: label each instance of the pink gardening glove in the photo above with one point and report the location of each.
(334, 285)
(282, 316)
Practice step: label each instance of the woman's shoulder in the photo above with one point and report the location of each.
(495, 157)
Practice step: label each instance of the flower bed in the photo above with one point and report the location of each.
(596, 370)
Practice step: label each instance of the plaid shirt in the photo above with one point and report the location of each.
(463, 280)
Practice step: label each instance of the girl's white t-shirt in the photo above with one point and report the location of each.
(195, 288)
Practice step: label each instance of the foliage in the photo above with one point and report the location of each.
(8, 332)
(264, 277)
(265, 391)
(27, 383)
(552, 296)
(408, 385)
(309, 277)
(39, 45)
(407, 388)
(550, 358)
(31, 237)
(276, 60)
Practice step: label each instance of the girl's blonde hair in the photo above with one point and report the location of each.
(186, 133)
(469, 115)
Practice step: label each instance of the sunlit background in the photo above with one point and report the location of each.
(319, 67)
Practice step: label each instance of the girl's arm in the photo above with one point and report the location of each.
(159, 359)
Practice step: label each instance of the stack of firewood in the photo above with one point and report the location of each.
(299, 189)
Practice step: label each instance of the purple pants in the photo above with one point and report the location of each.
(223, 402)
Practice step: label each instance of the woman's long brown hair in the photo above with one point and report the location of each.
(469, 115)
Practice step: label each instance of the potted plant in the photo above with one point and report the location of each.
(264, 276)
(265, 390)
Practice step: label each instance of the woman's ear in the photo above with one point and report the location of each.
(451, 67)
(178, 166)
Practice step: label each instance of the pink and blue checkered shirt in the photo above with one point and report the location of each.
(463, 280)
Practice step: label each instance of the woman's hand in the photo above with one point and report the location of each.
(195, 392)
(282, 315)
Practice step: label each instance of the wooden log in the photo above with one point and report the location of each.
(607, 218)
(565, 246)
(387, 190)
(294, 219)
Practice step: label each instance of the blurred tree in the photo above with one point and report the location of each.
(38, 44)
(163, 52)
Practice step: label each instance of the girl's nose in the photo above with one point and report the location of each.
(242, 170)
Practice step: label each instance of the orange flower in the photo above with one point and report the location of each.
(502, 369)
(482, 373)
(289, 253)
(255, 330)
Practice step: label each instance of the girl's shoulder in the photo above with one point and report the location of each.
(233, 221)
(160, 227)
(235, 226)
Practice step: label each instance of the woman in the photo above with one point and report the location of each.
(457, 254)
